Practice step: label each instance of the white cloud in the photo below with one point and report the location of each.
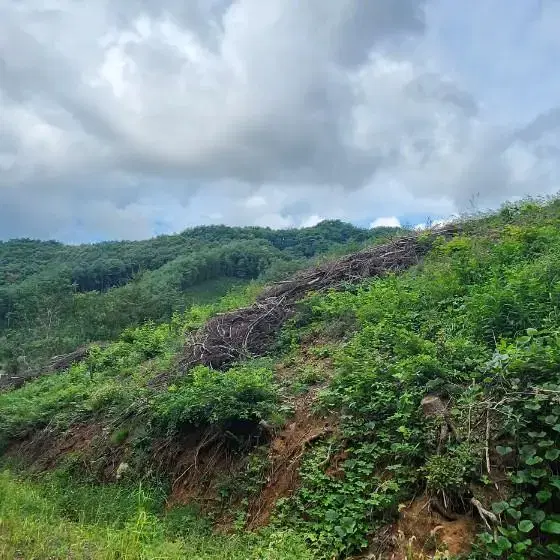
(255, 202)
(311, 221)
(121, 118)
(435, 223)
(389, 221)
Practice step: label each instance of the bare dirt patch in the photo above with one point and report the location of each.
(285, 454)
(45, 449)
(202, 460)
(420, 532)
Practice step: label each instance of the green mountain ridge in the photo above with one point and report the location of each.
(55, 297)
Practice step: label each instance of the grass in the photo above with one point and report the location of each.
(46, 519)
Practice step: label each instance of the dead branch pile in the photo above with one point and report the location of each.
(58, 363)
(55, 364)
(238, 334)
(251, 331)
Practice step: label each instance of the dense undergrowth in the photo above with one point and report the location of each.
(476, 326)
(115, 380)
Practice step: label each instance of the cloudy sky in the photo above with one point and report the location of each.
(125, 118)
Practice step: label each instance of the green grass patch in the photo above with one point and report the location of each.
(47, 520)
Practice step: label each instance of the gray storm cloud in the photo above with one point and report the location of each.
(117, 116)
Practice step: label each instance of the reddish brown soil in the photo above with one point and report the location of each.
(202, 461)
(286, 451)
(197, 469)
(44, 449)
(420, 532)
(202, 465)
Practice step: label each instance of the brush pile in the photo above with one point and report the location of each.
(251, 331)
(55, 364)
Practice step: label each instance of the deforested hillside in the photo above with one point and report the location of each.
(55, 298)
(398, 402)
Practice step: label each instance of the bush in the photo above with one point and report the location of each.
(206, 396)
(451, 472)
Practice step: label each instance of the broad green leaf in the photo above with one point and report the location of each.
(538, 515)
(536, 434)
(533, 406)
(538, 473)
(543, 496)
(499, 507)
(516, 502)
(503, 543)
(525, 526)
(494, 549)
(528, 450)
(520, 478)
(513, 513)
(503, 450)
(552, 527)
(535, 460)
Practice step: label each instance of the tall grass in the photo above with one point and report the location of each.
(46, 519)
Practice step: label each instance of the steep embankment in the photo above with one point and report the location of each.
(393, 417)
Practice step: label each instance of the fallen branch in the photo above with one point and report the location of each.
(484, 513)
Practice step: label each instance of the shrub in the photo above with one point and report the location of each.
(206, 396)
(451, 472)
(476, 324)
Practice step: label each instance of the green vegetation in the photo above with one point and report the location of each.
(116, 378)
(55, 297)
(56, 519)
(442, 382)
(206, 396)
(478, 324)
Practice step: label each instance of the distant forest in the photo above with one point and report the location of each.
(56, 297)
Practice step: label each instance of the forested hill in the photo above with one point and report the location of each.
(55, 297)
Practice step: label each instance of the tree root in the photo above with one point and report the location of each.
(484, 513)
(436, 505)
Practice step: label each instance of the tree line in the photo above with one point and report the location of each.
(55, 297)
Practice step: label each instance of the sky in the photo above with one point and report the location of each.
(130, 118)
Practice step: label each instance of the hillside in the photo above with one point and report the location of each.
(55, 297)
(401, 401)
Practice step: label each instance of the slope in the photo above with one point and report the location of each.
(55, 297)
(392, 417)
